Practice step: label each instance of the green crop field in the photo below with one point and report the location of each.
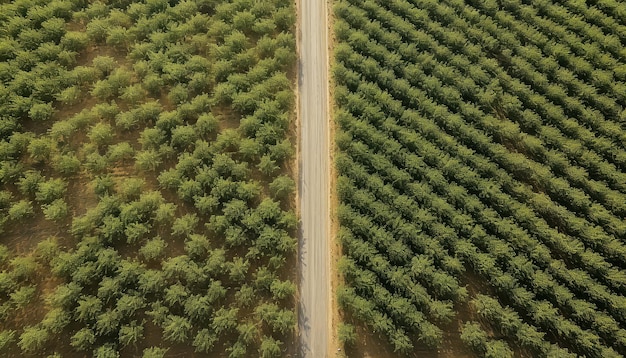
(146, 178)
(482, 177)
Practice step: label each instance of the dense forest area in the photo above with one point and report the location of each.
(482, 176)
(146, 178)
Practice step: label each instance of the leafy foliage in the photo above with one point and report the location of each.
(120, 135)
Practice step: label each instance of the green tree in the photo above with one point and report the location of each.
(165, 213)
(224, 320)
(74, 41)
(88, 308)
(131, 188)
(267, 165)
(282, 187)
(148, 160)
(153, 249)
(185, 225)
(83, 340)
(152, 281)
(96, 163)
(56, 210)
(154, 352)
(21, 210)
(33, 339)
(128, 304)
(238, 269)
(346, 334)
(101, 133)
(22, 296)
(198, 308)
(130, 333)
(108, 322)
(280, 320)
(245, 296)
(62, 130)
(204, 340)
(41, 111)
(282, 289)
(152, 138)
(109, 289)
(133, 94)
(106, 351)
(7, 337)
(184, 136)
(498, 349)
(176, 329)
(66, 164)
(207, 124)
(51, 190)
(70, 95)
(56, 320)
(176, 295)
(119, 37)
(47, 249)
(104, 64)
(40, 149)
(270, 348)
(29, 183)
(103, 185)
(120, 152)
(197, 246)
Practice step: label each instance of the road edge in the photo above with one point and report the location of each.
(297, 162)
(333, 245)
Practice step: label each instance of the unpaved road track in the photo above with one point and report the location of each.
(314, 187)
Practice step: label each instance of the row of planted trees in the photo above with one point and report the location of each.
(155, 137)
(433, 164)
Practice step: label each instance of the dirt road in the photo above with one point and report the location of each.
(314, 188)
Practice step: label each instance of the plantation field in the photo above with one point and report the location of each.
(146, 178)
(482, 177)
